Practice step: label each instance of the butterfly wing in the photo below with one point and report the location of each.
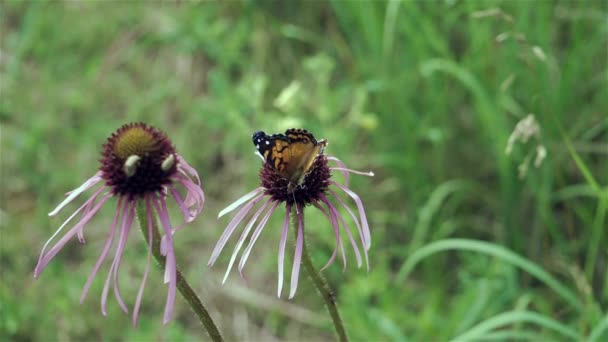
(304, 150)
(274, 149)
(290, 154)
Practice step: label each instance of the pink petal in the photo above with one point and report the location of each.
(297, 257)
(359, 203)
(345, 226)
(231, 227)
(76, 192)
(282, 244)
(46, 258)
(340, 165)
(195, 199)
(104, 251)
(339, 245)
(85, 205)
(243, 236)
(121, 241)
(170, 263)
(240, 201)
(188, 170)
(361, 173)
(256, 234)
(359, 229)
(127, 221)
(180, 204)
(140, 293)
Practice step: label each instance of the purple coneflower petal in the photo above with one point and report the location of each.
(243, 236)
(195, 199)
(127, 221)
(240, 201)
(186, 169)
(297, 257)
(359, 203)
(170, 263)
(45, 258)
(104, 251)
(336, 214)
(340, 165)
(80, 233)
(140, 293)
(85, 205)
(359, 229)
(76, 192)
(282, 244)
(112, 272)
(231, 227)
(256, 234)
(361, 173)
(180, 203)
(339, 245)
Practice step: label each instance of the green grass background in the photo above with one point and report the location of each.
(425, 94)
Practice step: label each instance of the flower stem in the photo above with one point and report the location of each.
(182, 285)
(320, 282)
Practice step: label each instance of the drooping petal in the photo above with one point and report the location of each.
(195, 199)
(180, 204)
(359, 203)
(282, 244)
(104, 251)
(80, 233)
(339, 245)
(170, 262)
(243, 236)
(187, 170)
(45, 258)
(345, 226)
(140, 293)
(297, 257)
(352, 215)
(86, 204)
(256, 234)
(359, 229)
(112, 272)
(76, 192)
(231, 227)
(127, 221)
(240, 201)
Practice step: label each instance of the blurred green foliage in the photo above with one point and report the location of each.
(425, 94)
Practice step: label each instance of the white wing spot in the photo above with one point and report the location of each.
(267, 142)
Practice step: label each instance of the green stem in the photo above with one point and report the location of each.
(320, 282)
(182, 285)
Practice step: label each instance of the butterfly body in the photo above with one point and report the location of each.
(291, 154)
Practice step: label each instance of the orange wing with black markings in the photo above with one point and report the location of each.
(290, 154)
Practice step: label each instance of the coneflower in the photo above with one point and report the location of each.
(296, 174)
(138, 163)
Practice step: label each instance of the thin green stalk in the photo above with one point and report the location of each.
(320, 283)
(182, 285)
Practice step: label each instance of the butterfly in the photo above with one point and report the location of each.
(290, 154)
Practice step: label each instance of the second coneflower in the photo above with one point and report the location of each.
(295, 173)
(138, 163)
